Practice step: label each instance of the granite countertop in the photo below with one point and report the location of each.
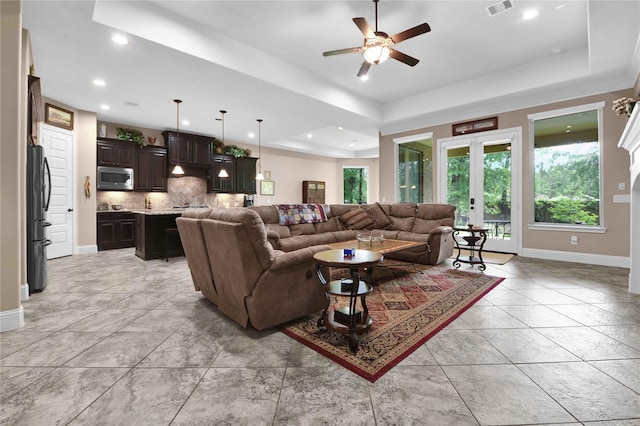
(177, 210)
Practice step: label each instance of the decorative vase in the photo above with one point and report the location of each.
(219, 150)
(102, 130)
(152, 140)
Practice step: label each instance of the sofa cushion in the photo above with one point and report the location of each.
(291, 214)
(402, 216)
(356, 218)
(302, 229)
(380, 218)
(282, 230)
(331, 225)
(430, 216)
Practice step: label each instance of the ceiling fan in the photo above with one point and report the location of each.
(377, 46)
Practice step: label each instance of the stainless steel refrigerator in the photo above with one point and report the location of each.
(38, 197)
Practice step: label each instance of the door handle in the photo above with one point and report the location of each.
(69, 210)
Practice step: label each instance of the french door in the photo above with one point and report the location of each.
(479, 174)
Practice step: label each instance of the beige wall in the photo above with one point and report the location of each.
(13, 74)
(615, 242)
(85, 216)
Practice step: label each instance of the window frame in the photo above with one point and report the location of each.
(566, 227)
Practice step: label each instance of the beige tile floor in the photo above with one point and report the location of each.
(115, 340)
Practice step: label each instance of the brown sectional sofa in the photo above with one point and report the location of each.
(429, 223)
(260, 272)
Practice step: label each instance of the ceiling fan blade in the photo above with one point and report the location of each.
(364, 69)
(411, 32)
(363, 25)
(341, 51)
(399, 56)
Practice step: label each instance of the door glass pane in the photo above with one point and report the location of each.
(497, 190)
(355, 185)
(415, 171)
(458, 183)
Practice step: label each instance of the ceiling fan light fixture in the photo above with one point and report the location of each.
(376, 54)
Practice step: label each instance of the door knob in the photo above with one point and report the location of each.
(69, 210)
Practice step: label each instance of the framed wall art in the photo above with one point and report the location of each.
(267, 187)
(475, 126)
(57, 116)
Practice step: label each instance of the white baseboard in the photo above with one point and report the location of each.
(589, 258)
(86, 249)
(11, 320)
(24, 292)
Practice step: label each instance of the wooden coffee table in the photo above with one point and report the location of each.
(383, 247)
(349, 320)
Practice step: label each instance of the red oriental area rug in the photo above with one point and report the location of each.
(408, 307)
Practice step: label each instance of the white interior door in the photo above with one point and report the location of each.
(58, 148)
(477, 175)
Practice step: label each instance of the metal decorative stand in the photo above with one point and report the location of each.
(472, 239)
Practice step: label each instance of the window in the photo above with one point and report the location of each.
(355, 185)
(566, 166)
(415, 171)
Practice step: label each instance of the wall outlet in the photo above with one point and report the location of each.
(384, 199)
(621, 186)
(574, 240)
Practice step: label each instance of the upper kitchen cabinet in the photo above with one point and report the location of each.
(151, 169)
(218, 184)
(191, 150)
(116, 153)
(241, 171)
(246, 175)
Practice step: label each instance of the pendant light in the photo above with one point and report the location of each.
(259, 176)
(177, 170)
(223, 173)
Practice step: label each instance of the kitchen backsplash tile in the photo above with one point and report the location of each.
(180, 191)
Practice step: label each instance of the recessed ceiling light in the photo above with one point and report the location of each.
(340, 128)
(251, 135)
(99, 82)
(530, 14)
(350, 145)
(185, 122)
(105, 107)
(309, 135)
(120, 39)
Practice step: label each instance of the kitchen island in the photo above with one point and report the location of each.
(150, 234)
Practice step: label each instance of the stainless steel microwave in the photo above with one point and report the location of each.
(114, 179)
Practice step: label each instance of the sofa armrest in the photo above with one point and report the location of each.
(439, 230)
(286, 259)
(274, 239)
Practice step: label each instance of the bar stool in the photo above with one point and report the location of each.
(168, 234)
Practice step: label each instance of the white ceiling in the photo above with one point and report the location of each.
(263, 59)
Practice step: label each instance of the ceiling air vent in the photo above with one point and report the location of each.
(498, 8)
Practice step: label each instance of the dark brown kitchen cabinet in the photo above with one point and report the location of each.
(245, 175)
(313, 191)
(116, 153)
(191, 150)
(242, 175)
(115, 230)
(219, 184)
(150, 236)
(151, 169)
